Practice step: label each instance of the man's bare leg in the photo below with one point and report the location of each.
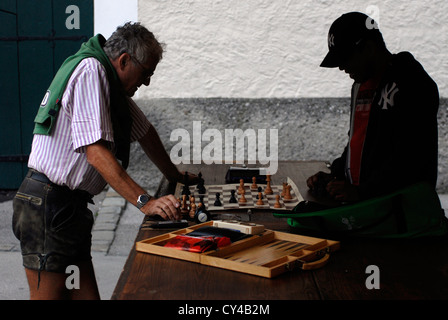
(52, 285)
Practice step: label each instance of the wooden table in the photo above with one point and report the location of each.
(408, 269)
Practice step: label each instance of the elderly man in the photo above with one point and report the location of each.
(393, 139)
(82, 137)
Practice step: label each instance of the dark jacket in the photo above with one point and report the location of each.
(401, 143)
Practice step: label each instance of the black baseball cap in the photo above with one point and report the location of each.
(345, 34)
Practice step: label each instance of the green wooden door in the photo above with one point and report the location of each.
(35, 38)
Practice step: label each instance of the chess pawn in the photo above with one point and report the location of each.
(254, 183)
(260, 199)
(192, 207)
(241, 187)
(277, 202)
(218, 202)
(268, 189)
(287, 195)
(242, 199)
(232, 197)
(284, 189)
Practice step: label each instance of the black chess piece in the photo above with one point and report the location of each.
(260, 190)
(201, 200)
(217, 200)
(186, 190)
(232, 197)
(200, 186)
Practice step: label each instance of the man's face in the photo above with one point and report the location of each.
(357, 65)
(133, 74)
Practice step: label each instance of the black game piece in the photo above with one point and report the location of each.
(200, 185)
(201, 200)
(232, 197)
(217, 200)
(185, 188)
(260, 190)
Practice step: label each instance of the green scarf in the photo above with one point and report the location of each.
(119, 106)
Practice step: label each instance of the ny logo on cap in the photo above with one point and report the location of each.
(330, 40)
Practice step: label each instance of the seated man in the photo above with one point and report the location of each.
(393, 138)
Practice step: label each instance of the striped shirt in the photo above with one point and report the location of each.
(84, 118)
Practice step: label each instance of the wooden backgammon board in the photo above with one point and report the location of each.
(259, 251)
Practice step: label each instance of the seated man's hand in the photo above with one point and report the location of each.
(343, 191)
(318, 180)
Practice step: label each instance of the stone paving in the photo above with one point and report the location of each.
(106, 221)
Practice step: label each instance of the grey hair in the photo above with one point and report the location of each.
(135, 39)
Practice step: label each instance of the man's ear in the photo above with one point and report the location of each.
(123, 60)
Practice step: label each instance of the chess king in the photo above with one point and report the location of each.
(212, 152)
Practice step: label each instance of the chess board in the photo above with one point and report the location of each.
(250, 194)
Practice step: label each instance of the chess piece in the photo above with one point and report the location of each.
(254, 183)
(277, 202)
(201, 200)
(184, 207)
(200, 186)
(201, 189)
(192, 207)
(232, 197)
(217, 200)
(241, 187)
(260, 200)
(185, 188)
(260, 192)
(287, 195)
(268, 189)
(242, 199)
(284, 189)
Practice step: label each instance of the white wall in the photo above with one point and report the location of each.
(273, 48)
(109, 14)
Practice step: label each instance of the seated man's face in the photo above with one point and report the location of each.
(358, 64)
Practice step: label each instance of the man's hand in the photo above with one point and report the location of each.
(167, 207)
(320, 178)
(343, 191)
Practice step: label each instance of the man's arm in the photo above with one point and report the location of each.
(155, 150)
(100, 157)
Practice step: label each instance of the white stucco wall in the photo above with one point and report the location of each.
(273, 48)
